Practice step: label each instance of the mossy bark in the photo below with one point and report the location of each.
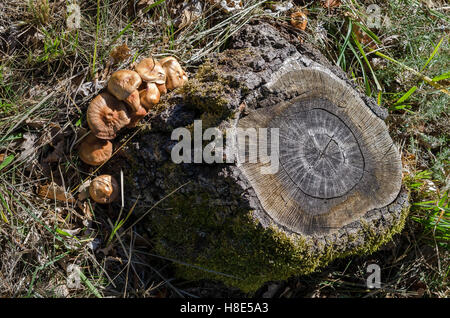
(209, 216)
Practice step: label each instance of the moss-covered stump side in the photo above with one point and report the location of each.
(211, 226)
(207, 216)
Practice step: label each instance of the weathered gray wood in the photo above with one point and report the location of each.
(337, 159)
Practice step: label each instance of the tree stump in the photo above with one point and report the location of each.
(338, 190)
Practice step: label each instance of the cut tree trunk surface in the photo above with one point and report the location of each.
(337, 160)
(337, 191)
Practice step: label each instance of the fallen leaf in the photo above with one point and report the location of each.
(363, 37)
(84, 206)
(142, 4)
(56, 154)
(279, 6)
(190, 12)
(120, 53)
(61, 291)
(331, 4)
(73, 276)
(28, 147)
(228, 5)
(84, 190)
(54, 191)
(36, 123)
(299, 20)
(71, 232)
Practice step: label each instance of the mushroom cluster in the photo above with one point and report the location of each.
(130, 95)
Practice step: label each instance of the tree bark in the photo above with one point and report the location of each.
(338, 189)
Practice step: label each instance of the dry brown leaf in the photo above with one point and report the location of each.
(86, 210)
(120, 53)
(190, 12)
(363, 38)
(299, 20)
(227, 5)
(331, 4)
(28, 147)
(37, 123)
(2, 157)
(56, 154)
(54, 191)
(83, 190)
(142, 4)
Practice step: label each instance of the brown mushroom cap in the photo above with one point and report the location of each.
(151, 71)
(134, 101)
(123, 84)
(136, 117)
(299, 20)
(175, 75)
(94, 151)
(149, 95)
(104, 189)
(106, 115)
(162, 88)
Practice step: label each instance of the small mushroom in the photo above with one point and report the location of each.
(149, 95)
(136, 117)
(162, 88)
(151, 71)
(106, 116)
(175, 75)
(123, 84)
(299, 20)
(94, 151)
(104, 189)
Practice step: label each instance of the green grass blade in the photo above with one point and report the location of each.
(406, 95)
(423, 77)
(6, 161)
(89, 285)
(366, 30)
(94, 58)
(441, 77)
(366, 82)
(56, 259)
(346, 41)
(6, 207)
(360, 48)
(432, 54)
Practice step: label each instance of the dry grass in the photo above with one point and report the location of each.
(49, 74)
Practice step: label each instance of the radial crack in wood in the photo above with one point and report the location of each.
(337, 160)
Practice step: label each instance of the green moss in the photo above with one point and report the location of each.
(223, 242)
(210, 90)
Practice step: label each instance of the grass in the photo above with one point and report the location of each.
(49, 73)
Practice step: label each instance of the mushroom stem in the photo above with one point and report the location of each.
(136, 117)
(133, 101)
(150, 95)
(162, 88)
